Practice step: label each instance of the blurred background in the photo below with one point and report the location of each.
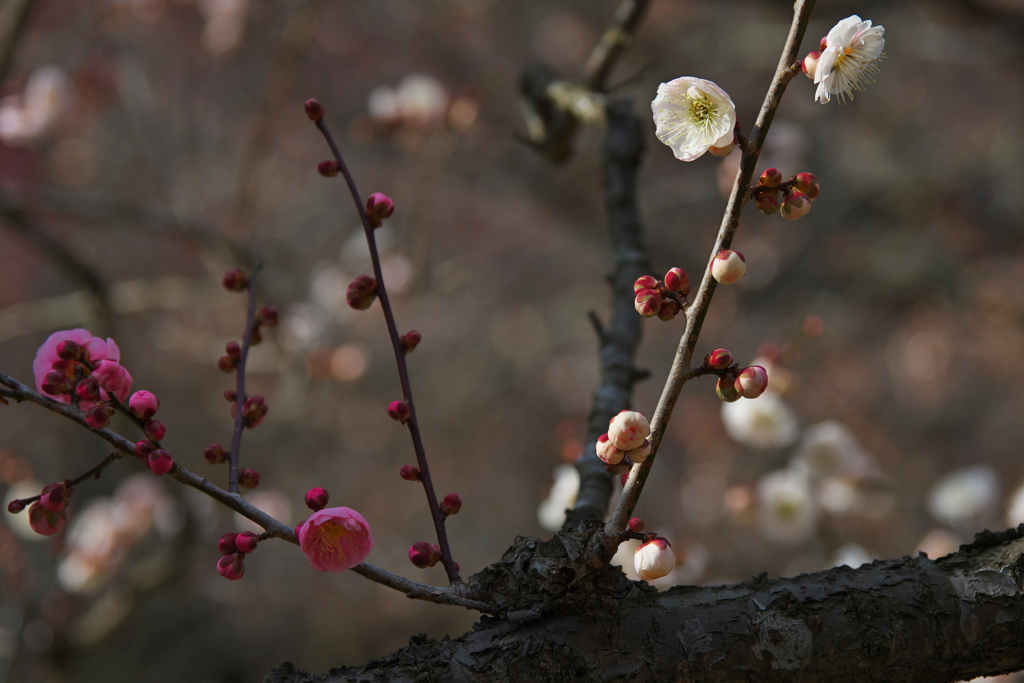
(148, 145)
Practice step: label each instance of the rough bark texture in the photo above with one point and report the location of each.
(911, 619)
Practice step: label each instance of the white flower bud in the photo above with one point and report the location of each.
(654, 560)
(628, 430)
(607, 451)
(728, 267)
(640, 453)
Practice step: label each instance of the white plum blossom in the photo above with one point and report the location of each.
(654, 559)
(551, 513)
(693, 115)
(829, 449)
(963, 495)
(850, 59)
(764, 423)
(851, 555)
(787, 514)
(1015, 510)
(422, 100)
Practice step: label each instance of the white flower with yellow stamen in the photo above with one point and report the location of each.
(693, 115)
(850, 59)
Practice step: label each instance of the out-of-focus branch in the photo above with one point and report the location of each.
(623, 149)
(12, 17)
(679, 373)
(617, 37)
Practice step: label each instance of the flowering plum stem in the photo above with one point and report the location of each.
(680, 372)
(400, 351)
(236, 435)
(94, 472)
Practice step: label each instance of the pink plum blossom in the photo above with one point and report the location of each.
(144, 404)
(335, 539)
(45, 522)
(96, 349)
(113, 379)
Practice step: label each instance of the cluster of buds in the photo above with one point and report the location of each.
(158, 460)
(86, 371)
(361, 293)
(233, 549)
(663, 298)
(728, 267)
(423, 554)
(47, 515)
(654, 559)
(735, 382)
(450, 504)
(797, 193)
(626, 440)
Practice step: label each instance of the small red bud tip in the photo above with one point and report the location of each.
(767, 203)
(15, 506)
(215, 454)
(810, 64)
(648, 303)
(248, 479)
(246, 542)
(155, 430)
(719, 359)
(255, 338)
(410, 473)
(636, 525)
(752, 381)
(226, 365)
(771, 177)
(98, 416)
(267, 316)
(328, 168)
(160, 462)
(451, 504)
(230, 395)
(808, 184)
(726, 390)
(314, 110)
(88, 389)
(823, 44)
(678, 281)
(144, 448)
(231, 567)
(796, 206)
(233, 350)
(644, 282)
(69, 350)
(378, 207)
(316, 498)
(411, 339)
(424, 554)
(399, 411)
(235, 281)
(226, 544)
(361, 293)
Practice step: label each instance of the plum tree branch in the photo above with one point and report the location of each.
(240, 397)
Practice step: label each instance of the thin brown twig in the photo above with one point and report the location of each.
(93, 472)
(236, 435)
(679, 373)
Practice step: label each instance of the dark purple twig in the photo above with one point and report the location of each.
(70, 483)
(236, 436)
(403, 373)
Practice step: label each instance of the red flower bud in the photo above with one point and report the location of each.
(230, 395)
(54, 497)
(361, 293)
(796, 206)
(399, 410)
(648, 302)
(233, 351)
(636, 525)
(98, 416)
(144, 448)
(143, 405)
(57, 383)
(159, 462)
(255, 338)
(316, 498)
(215, 454)
(451, 504)
(378, 207)
(88, 389)
(726, 390)
(771, 177)
(424, 555)
(253, 411)
(719, 359)
(231, 567)
(267, 316)
(808, 184)
(248, 479)
(328, 168)
(235, 281)
(45, 522)
(823, 44)
(69, 350)
(767, 203)
(246, 542)
(314, 110)
(752, 381)
(15, 506)
(411, 339)
(669, 310)
(644, 282)
(225, 364)
(154, 429)
(409, 473)
(677, 280)
(226, 544)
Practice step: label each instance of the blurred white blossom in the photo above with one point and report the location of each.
(27, 117)
(829, 449)
(551, 513)
(1015, 510)
(787, 514)
(851, 555)
(963, 495)
(763, 422)
(225, 23)
(422, 100)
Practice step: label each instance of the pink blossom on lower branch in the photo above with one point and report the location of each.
(335, 539)
(231, 567)
(45, 522)
(84, 346)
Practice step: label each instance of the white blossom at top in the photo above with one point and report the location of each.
(851, 555)
(829, 449)
(787, 514)
(764, 422)
(692, 115)
(551, 513)
(964, 494)
(850, 59)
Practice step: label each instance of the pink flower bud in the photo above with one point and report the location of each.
(248, 479)
(719, 359)
(246, 542)
(823, 44)
(409, 473)
(69, 350)
(54, 497)
(361, 293)
(316, 498)
(771, 177)
(57, 383)
(112, 378)
(728, 267)
(235, 281)
(335, 539)
(45, 522)
(267, 316)
(796, 206)
(399, 411)
(215, 454)
(648, 302)
(677, 280)
(225, 364)
(752, 381)
(143, 404)
(450, 505)
(378, 207)
(159, 462)
(98, 416)
(636, 525)
(424, 554)
(253, 411)
(144, 448)
(607, 451)
(314, 110)
(15, 506)
(233, 351)
(640, 453)
(226, 544)
(810, 64)
(88, 389)
(328, 168)
(808, 184)
(726, 390)
(154, 429)
(654, 560)
(411, 339)
(767, 203)
(231, 567)
(669, 310)
(628, 430)
(645, 282)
